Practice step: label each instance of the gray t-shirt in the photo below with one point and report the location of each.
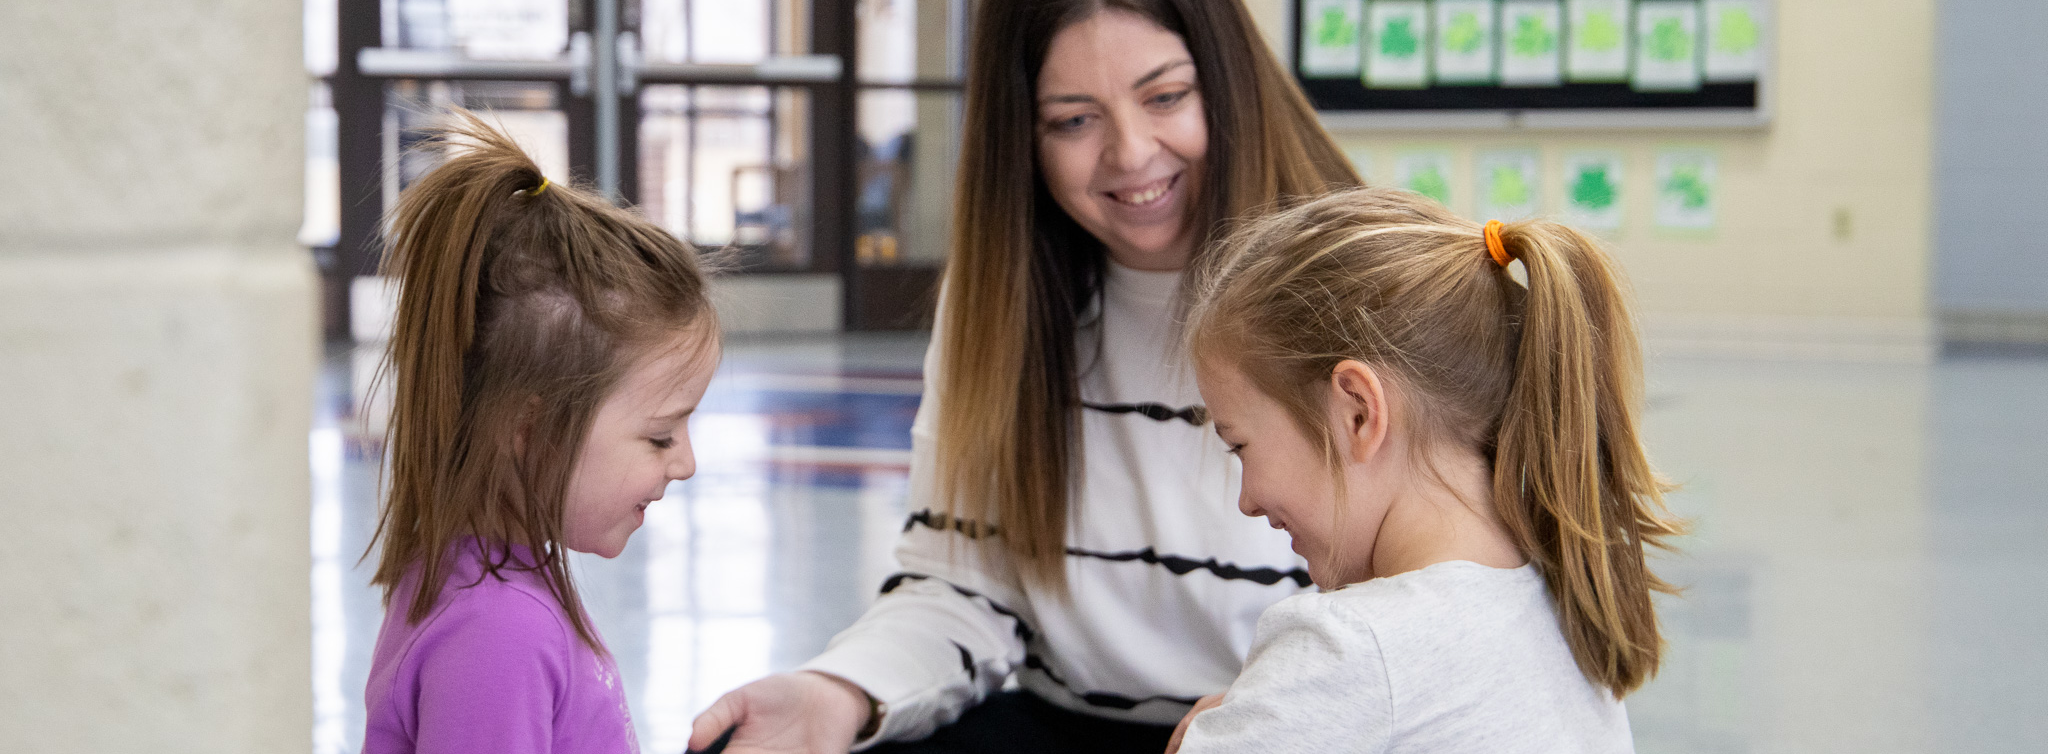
(1456, 657)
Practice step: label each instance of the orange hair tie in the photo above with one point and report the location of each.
(1494, 247)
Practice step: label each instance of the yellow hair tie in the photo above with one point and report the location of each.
(535, 191)
(1494, 246)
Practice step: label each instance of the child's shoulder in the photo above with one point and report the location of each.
(506, 603)
(507, 612)
(1419, 602)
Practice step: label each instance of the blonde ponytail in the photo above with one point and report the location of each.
(1572, 483)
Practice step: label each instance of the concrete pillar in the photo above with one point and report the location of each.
(157, 350)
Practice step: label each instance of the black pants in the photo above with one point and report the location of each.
(1017, 722)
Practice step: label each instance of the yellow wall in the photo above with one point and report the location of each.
(1850, 136)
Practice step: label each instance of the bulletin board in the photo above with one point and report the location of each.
(1535, 56)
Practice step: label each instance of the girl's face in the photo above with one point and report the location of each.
(1122, 135)
(1288, 480)
(638, 443)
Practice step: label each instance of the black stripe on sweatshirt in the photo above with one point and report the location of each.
(1100, 698)
(1031, 661)
(1024, 631)
(1195, 415)
(1181, 566)
(934, 520)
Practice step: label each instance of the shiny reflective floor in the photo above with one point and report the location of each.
(1867, 571)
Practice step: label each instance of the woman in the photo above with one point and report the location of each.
(1073, 517)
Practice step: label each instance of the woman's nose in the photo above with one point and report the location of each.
(1133, 145)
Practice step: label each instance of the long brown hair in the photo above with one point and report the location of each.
(1022, 272)
(1545, 381)
(522, 303)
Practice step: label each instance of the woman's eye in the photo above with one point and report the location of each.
(1169, 99)
(663, 443)
(1068, 124)
(1235, 448)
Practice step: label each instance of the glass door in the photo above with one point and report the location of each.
(735, 123)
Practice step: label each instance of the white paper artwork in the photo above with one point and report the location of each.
(1736, 33)
(1593, 190)
(1531, 43)
(1687, 184)
(1397, 53)
(1464, 41)
(1331, 31)
(1510, 184)
(1597, 40)
(1667, 46)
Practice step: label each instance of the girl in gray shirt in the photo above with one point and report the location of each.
(1455, 455)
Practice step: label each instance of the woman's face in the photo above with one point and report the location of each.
(1122, 136)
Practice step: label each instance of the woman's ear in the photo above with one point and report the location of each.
(1358, 410)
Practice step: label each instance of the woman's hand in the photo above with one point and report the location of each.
(1173, 744)
(787, 713)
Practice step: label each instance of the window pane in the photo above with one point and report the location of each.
(716, 31)
(526, 111)
(722, 166)
(905, 40)
(495, 29)
(910, 146)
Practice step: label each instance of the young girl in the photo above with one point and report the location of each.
(548, 352)
(1456, 456)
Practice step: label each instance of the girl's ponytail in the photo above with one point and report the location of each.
(1571, 480)
(439, 237)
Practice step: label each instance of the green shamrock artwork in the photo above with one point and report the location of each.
(1398, 40)
(1463, 35)
(1430, 182)
(1594, 189)
(1507, 187)
(1601, 32)
(1738, 32)
(1335, 29)
(1533, 38)
(1669, 41)
(1689, 186)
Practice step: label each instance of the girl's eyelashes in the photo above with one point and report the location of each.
(1234, 448)
(663, 443)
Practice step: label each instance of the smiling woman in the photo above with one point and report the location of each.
(1122, 142)
(1071, 524)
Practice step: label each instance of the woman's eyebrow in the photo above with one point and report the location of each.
(1084, 99)
(1160, 71)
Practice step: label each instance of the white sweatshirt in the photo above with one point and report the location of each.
(1456, 658)
(1166, 579)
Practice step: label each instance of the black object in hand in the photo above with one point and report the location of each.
(718, 745)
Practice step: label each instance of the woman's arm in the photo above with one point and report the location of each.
(946, 632)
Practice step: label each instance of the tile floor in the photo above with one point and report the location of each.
(1866, 573)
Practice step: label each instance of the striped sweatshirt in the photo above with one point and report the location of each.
(1165, 578)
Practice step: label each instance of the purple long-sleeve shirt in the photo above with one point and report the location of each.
(496, 668)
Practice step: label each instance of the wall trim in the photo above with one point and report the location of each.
(1994, 328)
(1876, 340)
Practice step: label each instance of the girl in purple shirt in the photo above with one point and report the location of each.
(549, 349)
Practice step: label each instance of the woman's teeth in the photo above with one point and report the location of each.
(1145, 196)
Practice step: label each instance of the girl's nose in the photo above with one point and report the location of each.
(1245, 504)
(684, 465)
